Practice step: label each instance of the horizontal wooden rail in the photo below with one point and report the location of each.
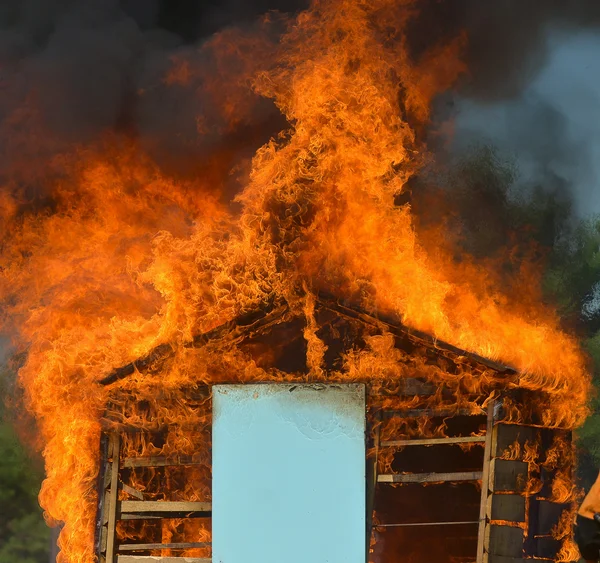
(415, 413)
(434, 441)
(154, 509)
(151, 559)
(146, 546)
(164, 506)
(416, 524)
(161, 461)
(429, 477)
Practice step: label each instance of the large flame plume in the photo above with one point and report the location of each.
(119, 252)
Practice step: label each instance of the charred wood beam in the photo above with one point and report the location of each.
(163, 506)
(435, 441)
(153, 559)
(102, 491)
(240, 326)
(162, 461)
(149, 546)
(397, 328)
(115, 448)
(243, 325)
(430, 413)
(430, 477)
(158, 509)
(131, 491)
(419, 524)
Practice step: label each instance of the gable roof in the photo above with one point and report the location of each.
(275, 311)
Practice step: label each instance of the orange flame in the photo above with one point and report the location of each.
(126, 256)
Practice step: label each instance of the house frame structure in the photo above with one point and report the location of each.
(509, 463)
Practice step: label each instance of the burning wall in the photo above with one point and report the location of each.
(125, 249)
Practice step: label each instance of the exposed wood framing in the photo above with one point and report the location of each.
(148, 546)
(418, 524)
(485, 482)
(115, 448)
(372, 479)
(133, 492)
(431, 413)
(135, 506)
(241, 326)
(151, 559)
(435, 441)
(430, 477)
(161, 461)
(275, 310)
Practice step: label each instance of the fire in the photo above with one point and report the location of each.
(122, 254)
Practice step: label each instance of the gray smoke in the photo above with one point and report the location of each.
(551, 126)
(72, 70)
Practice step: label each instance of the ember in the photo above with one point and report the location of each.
(138, 289)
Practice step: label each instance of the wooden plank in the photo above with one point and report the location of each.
(548, 516)
(372, 480)
(429, 477)
(115, 448)
(504, 540)
(506, 435)
(409, 386)
(162, 461)
(508, 476)
(163, 506)
(419, 524)
(435, 441)
(150, 559)
(546, 547)
(485, 481)
(131, 491)
(147, 546)
(103, 496)
(415, 413)
(506, 507)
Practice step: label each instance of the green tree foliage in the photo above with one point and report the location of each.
(24, 535)
(489, 213)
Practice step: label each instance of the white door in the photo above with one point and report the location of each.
(288, 474)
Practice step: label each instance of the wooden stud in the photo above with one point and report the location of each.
(115, 447)
(372, 482)
(485, 481)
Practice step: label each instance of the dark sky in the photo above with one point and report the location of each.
(193, 19)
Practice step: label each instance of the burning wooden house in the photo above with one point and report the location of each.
(388, 447)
